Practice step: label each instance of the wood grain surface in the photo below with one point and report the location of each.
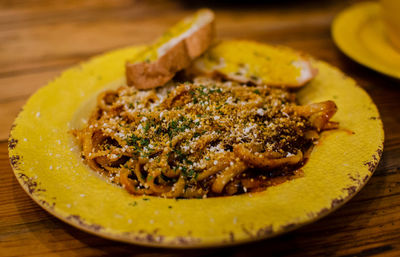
(39, 39)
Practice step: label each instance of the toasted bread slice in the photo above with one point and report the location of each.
(174, 51)
(248, 61)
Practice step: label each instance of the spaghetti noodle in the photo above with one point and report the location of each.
(200, 139)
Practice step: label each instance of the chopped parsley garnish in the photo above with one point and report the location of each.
(146, 127)
(144, 142)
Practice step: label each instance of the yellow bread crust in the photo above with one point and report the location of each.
(307, 71)
(144, 75)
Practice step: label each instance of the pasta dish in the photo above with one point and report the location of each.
(202, 138)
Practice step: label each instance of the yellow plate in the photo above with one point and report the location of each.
(359, 32)
(46, 162)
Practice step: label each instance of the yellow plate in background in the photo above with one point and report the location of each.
(46, 162)
(359, 32)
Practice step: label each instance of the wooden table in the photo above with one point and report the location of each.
(40, 39)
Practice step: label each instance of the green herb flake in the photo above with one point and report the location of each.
(146, 127)
(144, 142)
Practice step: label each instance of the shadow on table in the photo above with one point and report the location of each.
(322, 237)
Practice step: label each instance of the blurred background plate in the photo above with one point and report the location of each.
(359, 32)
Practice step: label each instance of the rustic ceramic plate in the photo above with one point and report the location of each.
(359, 32)
(46, 162)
